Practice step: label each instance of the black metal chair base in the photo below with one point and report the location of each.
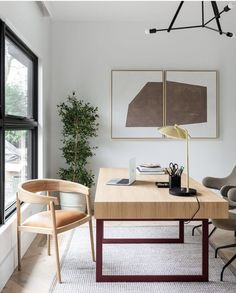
(229, 262)
(198, 226)
(225, 266)
(222, 247)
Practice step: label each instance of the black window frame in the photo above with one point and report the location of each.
(12, 122)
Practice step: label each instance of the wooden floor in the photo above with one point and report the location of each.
(38, 269)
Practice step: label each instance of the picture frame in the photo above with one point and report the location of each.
(137, 103)
(143, 100)
(191, 100)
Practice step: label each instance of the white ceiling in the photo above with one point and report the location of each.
(158, 13)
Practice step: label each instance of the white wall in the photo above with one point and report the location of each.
(26, 21)
(84, 55)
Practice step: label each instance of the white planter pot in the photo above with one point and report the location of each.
(72, 201)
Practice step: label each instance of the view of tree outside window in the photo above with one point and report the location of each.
(18, 88)
(18, 117)
(18, 78)
(17, 158)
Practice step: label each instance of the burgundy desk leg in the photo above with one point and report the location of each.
(205, 254)
(181, 231)
(152, 278)
(99, 237)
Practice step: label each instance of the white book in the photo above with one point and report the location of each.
(148, 169)
(159, 172)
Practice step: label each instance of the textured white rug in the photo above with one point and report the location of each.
(78, 270)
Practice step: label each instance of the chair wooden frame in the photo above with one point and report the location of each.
(27, 192)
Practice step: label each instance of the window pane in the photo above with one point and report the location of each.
(17, 161)
(18, 76)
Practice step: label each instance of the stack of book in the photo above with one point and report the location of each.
(150, 169)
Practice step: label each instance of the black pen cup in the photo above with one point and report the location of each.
(174, 181)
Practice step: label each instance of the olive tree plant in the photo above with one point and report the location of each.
(79, 119)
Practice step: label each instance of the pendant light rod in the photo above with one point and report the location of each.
(175, 16)
(154, 30)
(214, 17)
(228, 34)
(217, 15)
(203, 14)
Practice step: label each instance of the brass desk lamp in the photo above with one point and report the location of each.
(178, 132)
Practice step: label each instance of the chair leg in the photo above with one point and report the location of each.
(19, 249)
(49, 244)
(195, 227)
(225, 246)
(57, 257)
(212, 231)
(91, 239)
(225, 266)
(198, 226)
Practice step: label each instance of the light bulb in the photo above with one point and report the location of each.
(231, 5)
(230, 35)
(150, 31)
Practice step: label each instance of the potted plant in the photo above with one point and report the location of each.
(80, 124)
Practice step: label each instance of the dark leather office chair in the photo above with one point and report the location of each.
(224, 184)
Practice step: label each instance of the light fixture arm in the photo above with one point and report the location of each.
(210, 20)
(175, 16)
(217, 15)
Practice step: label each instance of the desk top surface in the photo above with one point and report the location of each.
(128, 201)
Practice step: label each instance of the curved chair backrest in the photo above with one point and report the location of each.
(231, 178)
(218, 183)
(28, 189)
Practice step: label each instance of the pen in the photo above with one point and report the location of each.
(181, 170)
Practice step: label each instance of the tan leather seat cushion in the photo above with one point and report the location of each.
(44, 219)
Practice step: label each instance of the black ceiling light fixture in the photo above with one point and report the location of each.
(204, 23)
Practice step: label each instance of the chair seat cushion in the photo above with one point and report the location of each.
(63, 217)
(226, 224)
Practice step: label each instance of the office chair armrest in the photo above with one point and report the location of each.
(213, 182)
(225, 189)
(232, 197)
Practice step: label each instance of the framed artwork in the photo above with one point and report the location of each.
(191, 101)
(137, 103)
(143, 100)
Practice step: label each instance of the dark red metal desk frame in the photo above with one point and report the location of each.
(149, 278)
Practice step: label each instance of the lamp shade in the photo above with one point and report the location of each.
(174, 132)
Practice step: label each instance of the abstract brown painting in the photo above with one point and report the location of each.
(146, 108)
(191, 101)
(185, 103)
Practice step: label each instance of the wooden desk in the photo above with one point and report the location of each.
(144, 201)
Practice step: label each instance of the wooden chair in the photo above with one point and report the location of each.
(51, 222)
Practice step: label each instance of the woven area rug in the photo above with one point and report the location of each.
(78, 270)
